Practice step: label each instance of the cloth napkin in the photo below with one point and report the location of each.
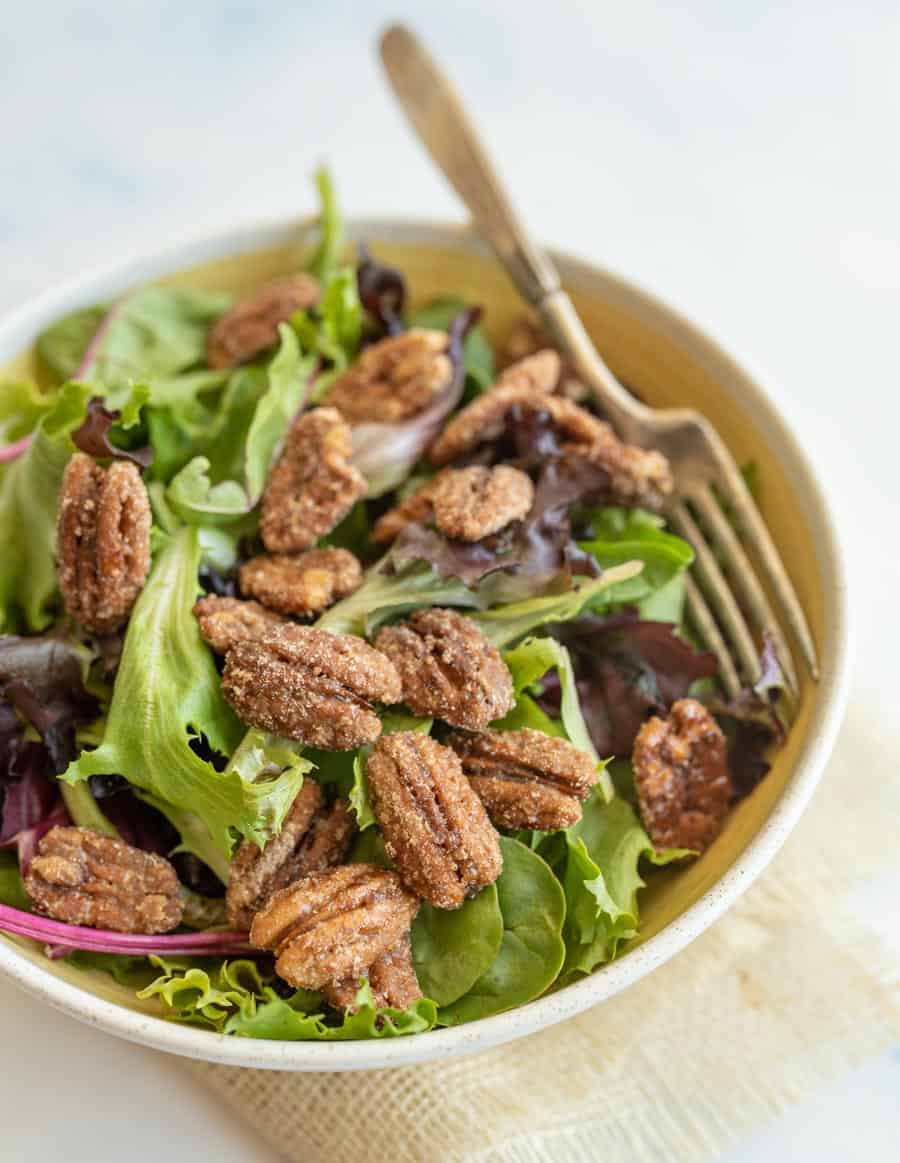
(784, 994)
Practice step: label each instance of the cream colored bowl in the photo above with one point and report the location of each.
(668, 361)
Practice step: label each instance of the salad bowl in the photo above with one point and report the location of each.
(668, 362)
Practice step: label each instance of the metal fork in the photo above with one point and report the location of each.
(726, 600)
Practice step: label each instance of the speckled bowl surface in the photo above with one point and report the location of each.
(669, 362)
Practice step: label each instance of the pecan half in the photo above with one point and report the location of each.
(305, 583)
(312, 486)
(526, 779)
(436, 830)
(483, 421)
(528, 337)
(471, 503)
(102, 541)
(84, 878)
(417, 507)
(226, 621)
(331, 926)
(394, 379)
(448, 668)
(681, 777)
(314, 836)
(251, 326)
(392, 979)
(310, 685)
(537, 371)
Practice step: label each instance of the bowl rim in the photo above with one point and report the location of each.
(19, 328)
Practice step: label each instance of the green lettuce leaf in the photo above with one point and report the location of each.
(506, 624)
(12, 891)
(601, 878)
(329, 252)
(21, 407)
(193, 495)
(152, 333)
(619, 535)
(453, 948)
(334, 328)
(167, 694)
(235, 998)
(28, 491)
(531, 952)
(385, 596)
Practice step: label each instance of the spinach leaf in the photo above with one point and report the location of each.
(453, 948)
(154, 332)
(531, 952)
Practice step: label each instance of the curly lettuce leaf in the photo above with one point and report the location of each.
(236, 998)
(452, 949)
(531, 951)
(192, 493)
(28, 492)
(167, 694)
(601, 879)
(154, 332)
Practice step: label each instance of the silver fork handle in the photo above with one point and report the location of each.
(437, 114)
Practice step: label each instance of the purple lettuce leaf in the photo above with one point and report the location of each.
(92, 436)
(382, 292)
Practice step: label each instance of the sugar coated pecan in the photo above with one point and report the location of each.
(449, 669)
(394, 379)
(436, 830)
(102, 541)
(303, 583)
(314, 836)
(417, 507)
(681, 777)
(537, 371)
(84, 878)
(312, 486)
(482, 421)
(391, 978)
(637, 476)
(307, 684)
(526, 779)
(251, 326)
(330, 926)
(471, 503)
(528, 337)
(226, 621)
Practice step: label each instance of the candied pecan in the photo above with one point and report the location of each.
(102, 541)
(331, 926)
(307, 684)
(392, 979)
(436, 830)
(84, 878)
(251, 326)
(312, 486)
(314, 836)
(449, 669)
(528, 337)
(227, 621)
(526, 779)
(482, 421)
(681, 777)
(305, 583)
(417, 507)
(394, 379)
(471, 503)
(537, 372)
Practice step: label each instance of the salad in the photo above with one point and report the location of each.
(345, 690)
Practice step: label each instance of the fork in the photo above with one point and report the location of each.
(726, 597)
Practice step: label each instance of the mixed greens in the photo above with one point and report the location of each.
(129, 734)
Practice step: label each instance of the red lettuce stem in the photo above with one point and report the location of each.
(14, 451)
(72, 937)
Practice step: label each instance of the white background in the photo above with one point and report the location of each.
(739, 159)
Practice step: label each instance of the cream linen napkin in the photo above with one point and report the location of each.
(784, 994)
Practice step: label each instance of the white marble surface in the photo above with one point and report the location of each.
(739, 159)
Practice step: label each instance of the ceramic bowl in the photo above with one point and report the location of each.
(668, 361)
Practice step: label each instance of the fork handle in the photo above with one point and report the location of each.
(437, 114)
